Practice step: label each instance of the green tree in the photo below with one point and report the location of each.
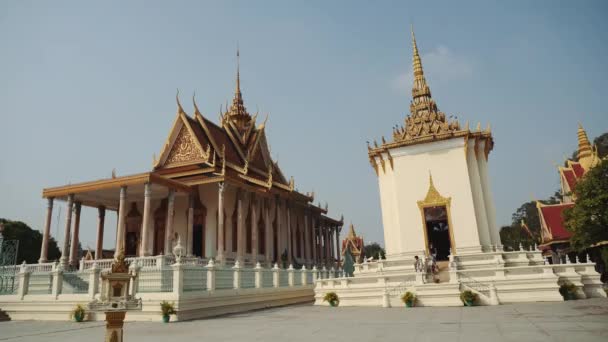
(372, 250)
(30, 241)
(588, 218)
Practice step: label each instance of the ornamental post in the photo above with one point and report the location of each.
(47, 231)
(275, 275)
(220, 224)
(211, 275)
(290, 275)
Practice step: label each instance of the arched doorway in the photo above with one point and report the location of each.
(437, 223)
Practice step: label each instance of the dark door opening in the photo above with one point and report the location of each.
(197, 240)
(438, 232)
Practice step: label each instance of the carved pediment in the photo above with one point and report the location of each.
(185, 149)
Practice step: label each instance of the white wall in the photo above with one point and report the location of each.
(408, 183)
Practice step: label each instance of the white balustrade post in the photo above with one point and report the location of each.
(324, 272)
(93, 280)
(290, 275)
(315, 274)
(275, 275)
(57, 280)
(493, 295)
(258, 275)
(24, 280)
(453, 270)
(237, 275)
(303, 276)
(332, 272)
(210, 275)
(178, 277)
(81, 264)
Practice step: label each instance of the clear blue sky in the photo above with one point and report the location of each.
(86, 87)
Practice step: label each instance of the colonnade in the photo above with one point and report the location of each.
(315, 242)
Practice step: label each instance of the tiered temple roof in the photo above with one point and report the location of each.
(426, 123)
(552, 216)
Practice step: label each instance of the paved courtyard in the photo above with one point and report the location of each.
(582, 320)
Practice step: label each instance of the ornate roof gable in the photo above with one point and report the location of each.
(182, 147)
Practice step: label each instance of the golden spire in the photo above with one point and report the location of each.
(584, 147)
(587, 156)
(351, 232)
(237, 113)
(417, 61)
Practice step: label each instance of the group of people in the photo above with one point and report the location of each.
(430, 264)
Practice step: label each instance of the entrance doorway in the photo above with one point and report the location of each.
(198, 241)
(437, 231)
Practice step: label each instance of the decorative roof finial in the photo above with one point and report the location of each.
(196, 111)
(180, 110)
(238, 66)
(417, 61)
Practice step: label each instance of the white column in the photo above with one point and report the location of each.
(487, 195)
(254, 229)
(122, 216)
(268, 235)
(240, 245)
(169, 224)
(74, 257)
(189, 228)
(66, 233)
(289, 236)
(101, 218)
(480, 209)
(332, 254)
(220, 223)
(44, 248)
(144, 249)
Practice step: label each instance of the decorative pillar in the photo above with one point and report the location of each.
(75, 236)
(66, 233)
(338, 247)
(279, 221)
(268, 235)
(122, 215)
(169, 224)
(240, 245)
(289, 236)
(327, 247)
(144, 249)
(101, 218)
(220, 223)
(47, 231)
(189, 224)
(254, 229)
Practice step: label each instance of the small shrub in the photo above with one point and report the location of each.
(78, 313)
(408, 298)
(167, 308)
(468, 297)
(567, 290)
(331, 298)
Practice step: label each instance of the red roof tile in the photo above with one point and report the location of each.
(570, 178)
(579, 171)
(554, 219)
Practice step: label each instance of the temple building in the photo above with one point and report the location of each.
(439, 222)
(354, 244)
(217, 188)
(430, 157)
(555, 238)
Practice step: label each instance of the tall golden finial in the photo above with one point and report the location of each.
(417, 61)
(238, 67)
(584, 146)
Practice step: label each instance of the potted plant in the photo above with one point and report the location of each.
(468, 297)
(409, 299)
(167, 309)
(331, 298)
(78, 313)
(568, 291)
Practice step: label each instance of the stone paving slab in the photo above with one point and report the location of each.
(580, 321)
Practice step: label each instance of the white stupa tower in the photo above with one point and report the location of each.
(433, 179)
